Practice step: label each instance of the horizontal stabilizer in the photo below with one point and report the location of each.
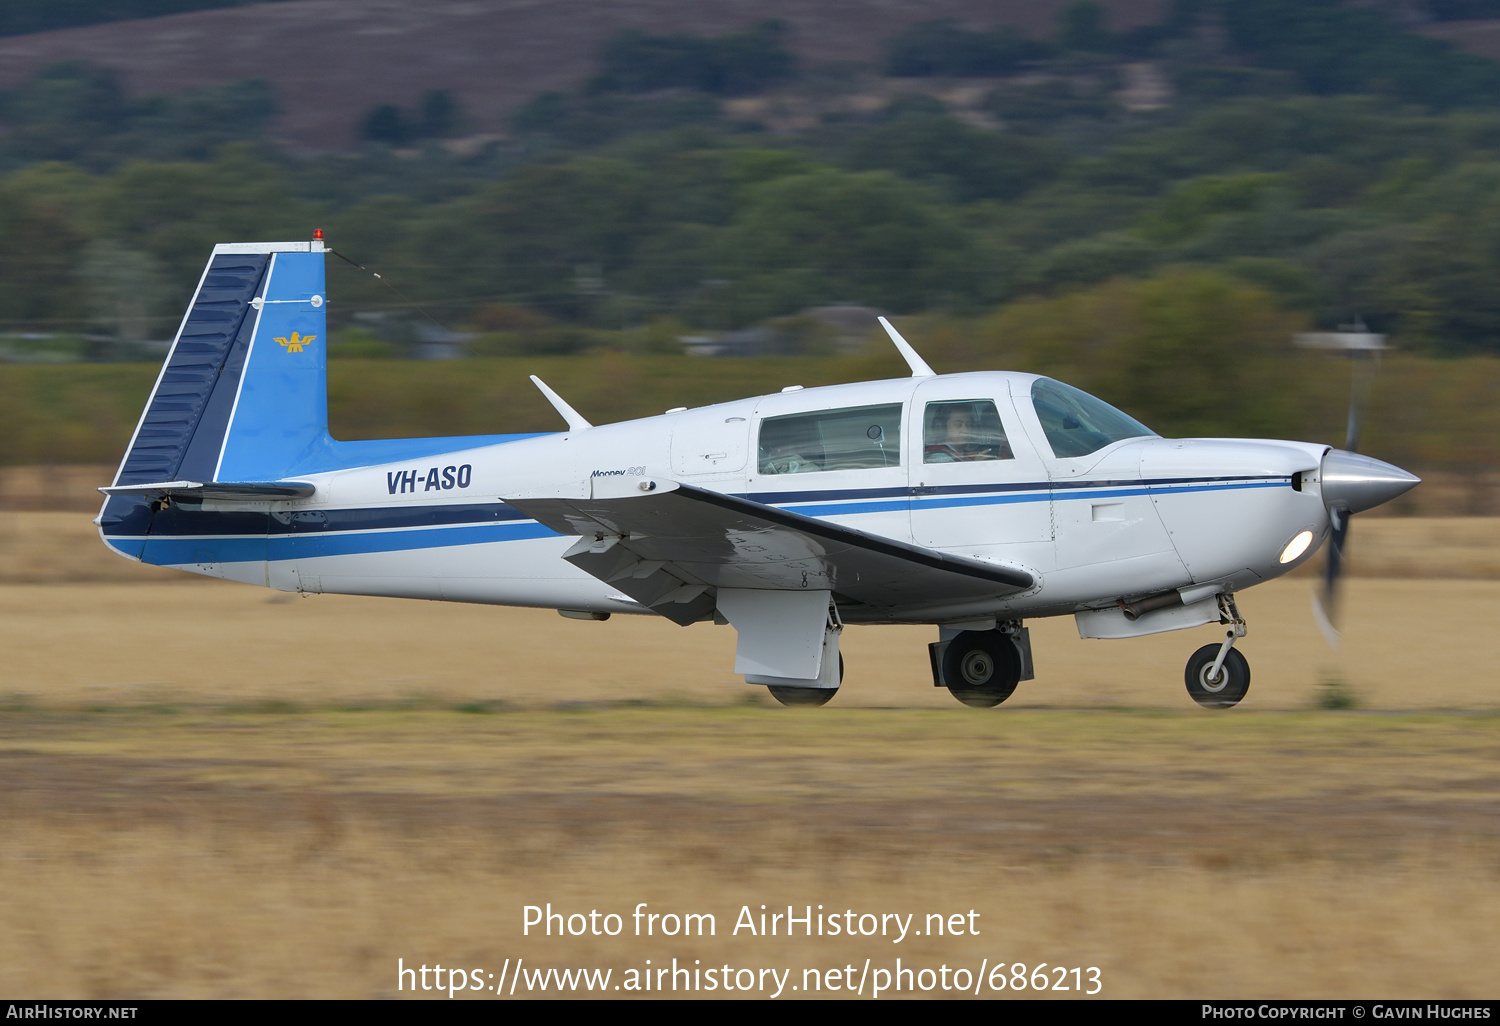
(666, 546)
(226, 491)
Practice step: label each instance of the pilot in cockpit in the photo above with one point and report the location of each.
(964, 431)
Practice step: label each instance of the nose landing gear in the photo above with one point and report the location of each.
(1218, 676)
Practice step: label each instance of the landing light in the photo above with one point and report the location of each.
(1296, 546)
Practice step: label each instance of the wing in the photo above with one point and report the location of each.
(671, 547)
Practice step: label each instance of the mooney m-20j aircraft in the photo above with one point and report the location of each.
(970, 502)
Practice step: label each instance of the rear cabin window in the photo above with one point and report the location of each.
(856, 438)
(963, 431)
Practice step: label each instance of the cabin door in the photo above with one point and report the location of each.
(978, 484)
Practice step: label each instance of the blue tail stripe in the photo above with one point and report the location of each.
(177, 551)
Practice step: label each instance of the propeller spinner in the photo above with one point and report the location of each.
(1351, 484)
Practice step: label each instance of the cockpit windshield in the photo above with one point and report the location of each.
(1076, 423)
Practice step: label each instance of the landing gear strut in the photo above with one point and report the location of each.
(1218, 676)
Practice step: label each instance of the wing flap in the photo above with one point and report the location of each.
(675, 543)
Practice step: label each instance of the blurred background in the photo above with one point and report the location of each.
(211, 790)
(1148, 198)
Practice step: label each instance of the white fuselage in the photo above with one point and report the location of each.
(1137, 517)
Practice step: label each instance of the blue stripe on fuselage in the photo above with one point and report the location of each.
(307, 546)
(826, 494)
(927, 498)
(183, 535)
(241, 549)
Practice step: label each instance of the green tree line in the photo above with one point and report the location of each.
(1338, 207)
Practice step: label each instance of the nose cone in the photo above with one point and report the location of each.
(1356, 483)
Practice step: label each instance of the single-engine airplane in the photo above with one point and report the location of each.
(969, 502)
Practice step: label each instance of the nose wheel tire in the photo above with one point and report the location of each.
(806, 696)
(1225, 690)
(981, 668)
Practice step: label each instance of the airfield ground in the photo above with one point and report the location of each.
(209, 789)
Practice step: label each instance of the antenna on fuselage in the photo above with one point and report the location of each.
(919, 368)
(573, 417)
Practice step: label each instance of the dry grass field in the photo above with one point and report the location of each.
(212, 790)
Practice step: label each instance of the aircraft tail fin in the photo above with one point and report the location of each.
(244, 390)
(243, 394)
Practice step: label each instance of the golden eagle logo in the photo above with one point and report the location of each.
(296, 342)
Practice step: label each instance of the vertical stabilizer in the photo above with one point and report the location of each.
(243, 393)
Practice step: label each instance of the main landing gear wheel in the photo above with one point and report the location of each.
(981, 668)
(806, 696)
(1225, 690)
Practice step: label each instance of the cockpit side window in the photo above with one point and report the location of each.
(856, 438)
(963, 431)
(1076, 423)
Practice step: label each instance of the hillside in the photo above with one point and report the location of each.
(332, 60)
